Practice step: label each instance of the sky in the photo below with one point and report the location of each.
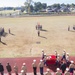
(15, 3)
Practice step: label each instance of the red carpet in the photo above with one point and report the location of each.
(19, 61)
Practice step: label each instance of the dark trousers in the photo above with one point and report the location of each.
(34, 70)
(41, 70)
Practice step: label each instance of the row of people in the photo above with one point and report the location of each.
(71, 69)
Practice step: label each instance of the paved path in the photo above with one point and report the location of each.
(20, 61)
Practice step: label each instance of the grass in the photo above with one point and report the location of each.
(24, 41)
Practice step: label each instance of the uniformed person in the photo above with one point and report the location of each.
(16, 69)
(48, 72)
(34, 65)
(1, 69)
(9, 69)
(67, 72)
(58, 72)
(71, 67)
(41, 66)
(24, 69)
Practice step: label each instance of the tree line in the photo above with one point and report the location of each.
(38, 6)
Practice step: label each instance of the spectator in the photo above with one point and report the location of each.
(58, 72)
(63, 66)
(34, 65)
(9, 69)
(41, 66)
(48, 72)
(71, 67)
(24, 68)
(67, 72)
(16, 69)
(1, 69)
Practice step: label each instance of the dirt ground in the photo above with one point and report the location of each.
(24, 41)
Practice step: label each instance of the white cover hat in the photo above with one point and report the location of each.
(24, 63)
(48, 69)
(67, 69)
(72, 62)
(34, 60)
(41, 60)
(58, 69)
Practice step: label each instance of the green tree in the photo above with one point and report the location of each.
(56, 6)
(28, 5)
(22, 9)
(37, 6)
(44, 5)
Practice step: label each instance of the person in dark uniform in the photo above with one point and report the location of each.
(63, 56)
(63, 66)
(1, 69)
(9, 69)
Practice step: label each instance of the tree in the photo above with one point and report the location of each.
(31, 8)
(22, 9)
(27, 5)
(72, 5)
(56, 6)
(44, 5)
(37, 6)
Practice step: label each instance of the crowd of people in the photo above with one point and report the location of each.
(65, 66)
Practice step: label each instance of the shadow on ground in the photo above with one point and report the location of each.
(44, 30)
(3, 43)
(43, 37)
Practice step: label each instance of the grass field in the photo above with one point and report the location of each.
(24, 42)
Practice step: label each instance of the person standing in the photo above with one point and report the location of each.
(71, 67)
(58, 72)
(63, 66)
(9, 69)
(41, 66)
(16, 69)
(24, 69)
(1, 69)
(64, 55)
(34, 65)
(48, 72)
(67, 72)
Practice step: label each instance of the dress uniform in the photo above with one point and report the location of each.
(24, 69)
(34, 65)
(41, 66)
